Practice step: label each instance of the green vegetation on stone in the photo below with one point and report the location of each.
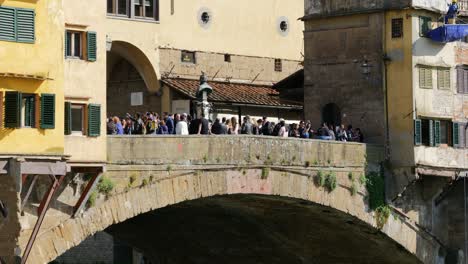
(265, 173)
(105, 186)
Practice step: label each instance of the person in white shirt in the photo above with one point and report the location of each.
(182, 127)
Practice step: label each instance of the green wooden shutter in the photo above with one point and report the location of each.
(94, 120)
(417, 132)
(7, 24)
(67, 47)
(437, 133)
(456, 135)
(92, 46)
(25, 25)
(68, 118)
(48, 111)
(12, 109)
(424, 25)
(431, 133)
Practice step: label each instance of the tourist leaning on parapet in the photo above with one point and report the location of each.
(283, 132)
(163, 129)
(182, 126)
(234, 126)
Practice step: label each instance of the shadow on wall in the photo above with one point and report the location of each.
(426, 47)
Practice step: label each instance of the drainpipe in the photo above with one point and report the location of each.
(387, 129)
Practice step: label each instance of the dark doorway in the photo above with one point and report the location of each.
(331, 114)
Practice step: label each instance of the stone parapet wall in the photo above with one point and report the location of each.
(229, 150)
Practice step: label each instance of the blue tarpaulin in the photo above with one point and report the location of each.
(449, 33)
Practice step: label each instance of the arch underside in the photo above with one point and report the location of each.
(138, 59)
(278, 188)
(256, 229)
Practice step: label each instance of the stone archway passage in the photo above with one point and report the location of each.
(331, 114)
(256, 229)
(132, 81)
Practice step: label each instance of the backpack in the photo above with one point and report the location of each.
(276, 130)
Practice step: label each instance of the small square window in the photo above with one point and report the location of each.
(397, 27)
(77, 119)
(188, 57)
(278, 65)
(227, 57)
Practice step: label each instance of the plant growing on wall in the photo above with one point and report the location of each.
(265, 173)
(330, 181)
(92, 199)
(354, 188)
(375, 185)
(321, 178)
(382, 215)
(131, 180)
(105, 186)
(144, 182)
(362, 179)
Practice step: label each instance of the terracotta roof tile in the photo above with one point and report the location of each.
(231, 92)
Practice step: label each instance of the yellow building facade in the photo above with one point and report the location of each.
(31, 113)
(32, 66)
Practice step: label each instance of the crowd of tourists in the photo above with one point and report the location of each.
(183, 124)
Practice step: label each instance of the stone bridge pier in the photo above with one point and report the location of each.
(241, 199)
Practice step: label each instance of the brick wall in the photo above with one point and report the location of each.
(95, 249)
(241, 68)
(123, 81)
(333, 73)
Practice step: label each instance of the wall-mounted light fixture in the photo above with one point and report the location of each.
(108, 43)
(366, 68)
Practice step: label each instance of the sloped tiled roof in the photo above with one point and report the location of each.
(231, 92)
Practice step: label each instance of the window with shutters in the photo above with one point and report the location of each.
(397, 27)
(425, 77)
(28, 110)
(445, 133)
(80, 45)
(427, 132)
(425, 25)
(74, 44)
(77, 119)
(443, 78)
(436, 132)
(462, 80)
(136, 9)
(17, 24)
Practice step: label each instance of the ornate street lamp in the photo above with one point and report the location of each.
(203, 91)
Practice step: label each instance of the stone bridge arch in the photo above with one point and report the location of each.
(151, 180)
